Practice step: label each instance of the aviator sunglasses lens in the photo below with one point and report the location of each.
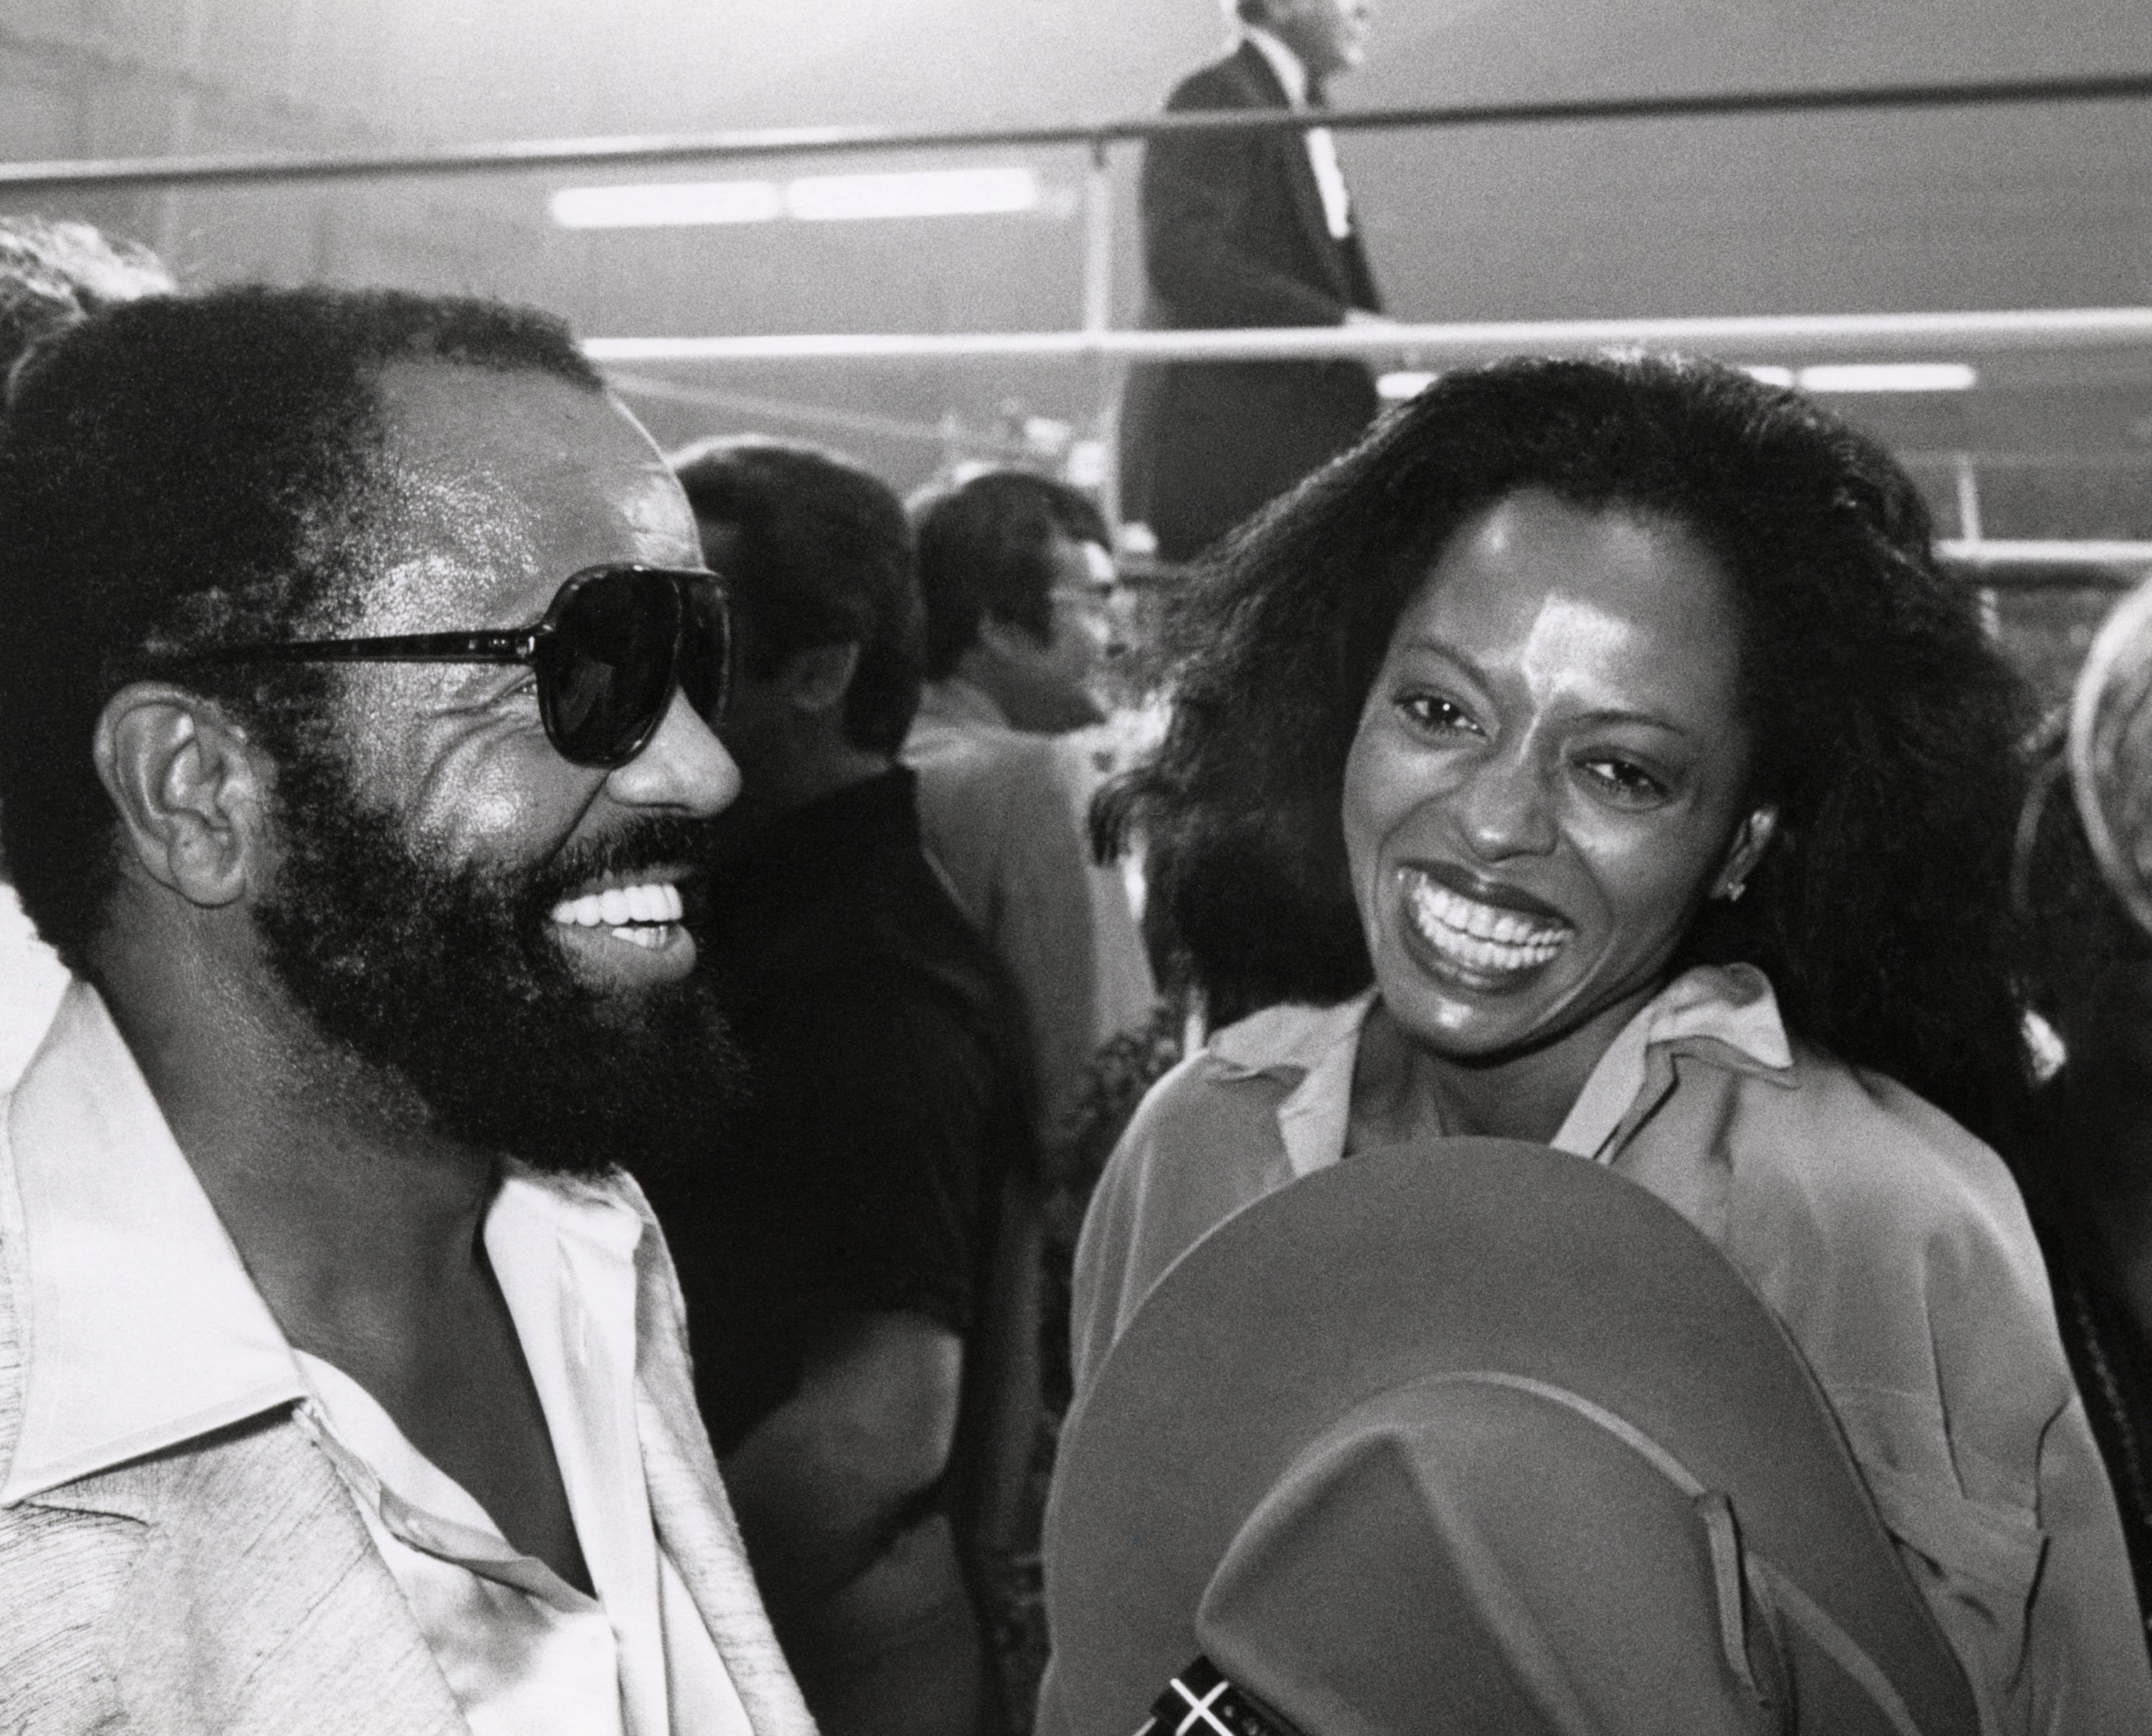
(606, 669)
(706, 649)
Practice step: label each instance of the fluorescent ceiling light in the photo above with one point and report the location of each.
(1889, 377)
(1771, 376)
(1404, 382)
(813, 199)
(922, 193)
(669, 203)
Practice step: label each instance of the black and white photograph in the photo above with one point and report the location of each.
(1075, 868)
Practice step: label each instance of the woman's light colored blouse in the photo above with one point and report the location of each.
(1891, 1243)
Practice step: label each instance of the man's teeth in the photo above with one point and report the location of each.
(657, 902)
(1479, 935)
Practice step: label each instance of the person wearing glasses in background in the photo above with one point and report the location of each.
(360, 678)
(1021, 608)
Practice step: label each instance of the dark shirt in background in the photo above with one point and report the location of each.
(886, 1099)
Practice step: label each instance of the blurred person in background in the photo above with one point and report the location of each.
(50, 273)
(2085, 1157)
(360, 671)
(1248, 229)
(836, 1260)
(2085, 1163)
(1019, 580)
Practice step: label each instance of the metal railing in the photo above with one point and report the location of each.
(675, 150)
(1094, 341)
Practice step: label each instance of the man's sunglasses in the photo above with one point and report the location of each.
(614, 644)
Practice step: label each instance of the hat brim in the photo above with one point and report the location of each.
(1447, 1256)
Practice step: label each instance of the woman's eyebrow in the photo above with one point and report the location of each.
(1645, 720)
(1465, 665)
(1447, 651)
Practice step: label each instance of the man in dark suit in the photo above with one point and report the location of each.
(1248, 229)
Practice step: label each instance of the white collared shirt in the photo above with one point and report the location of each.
(149, 1333)
(1321, 146)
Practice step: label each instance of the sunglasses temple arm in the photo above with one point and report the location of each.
(487, 647)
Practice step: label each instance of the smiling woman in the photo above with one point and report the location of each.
(1552, 770)
(1880, 721)
(1596, 756)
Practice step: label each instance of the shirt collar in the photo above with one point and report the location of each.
(1319, 1044)
(954, 700)
(142, 1327)
(1731, 1006)
(1292, 72)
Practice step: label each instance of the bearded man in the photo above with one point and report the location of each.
(359, 679)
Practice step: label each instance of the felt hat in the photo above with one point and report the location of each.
(1473, 1435)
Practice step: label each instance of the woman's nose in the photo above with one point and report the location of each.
(1506, 808)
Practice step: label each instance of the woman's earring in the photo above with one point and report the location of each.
(1732, 893)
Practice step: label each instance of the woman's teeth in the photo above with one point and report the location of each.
(1481, 936)
(637, 914)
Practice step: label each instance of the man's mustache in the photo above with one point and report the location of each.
(655, 841)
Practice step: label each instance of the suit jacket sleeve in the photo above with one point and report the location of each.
(1197, 191)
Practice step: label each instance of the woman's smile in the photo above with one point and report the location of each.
(1493, 945)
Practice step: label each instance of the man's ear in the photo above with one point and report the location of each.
(186, 788)
(1751, 839)
(816, 679)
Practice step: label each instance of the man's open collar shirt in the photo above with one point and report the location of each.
(145, 1351)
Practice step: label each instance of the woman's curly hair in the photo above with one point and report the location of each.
(1884, 719)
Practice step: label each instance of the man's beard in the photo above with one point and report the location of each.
(450, 975)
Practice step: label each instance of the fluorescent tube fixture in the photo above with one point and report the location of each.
(922, 193)
(1770, 376)
(1889, 377)
(669, 203)
(813, 199)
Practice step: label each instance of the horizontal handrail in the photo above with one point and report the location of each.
(2007, 567)
(2006, 459)
(661, 149)
(869, 423)
(1758, 337)
(2128, 561)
